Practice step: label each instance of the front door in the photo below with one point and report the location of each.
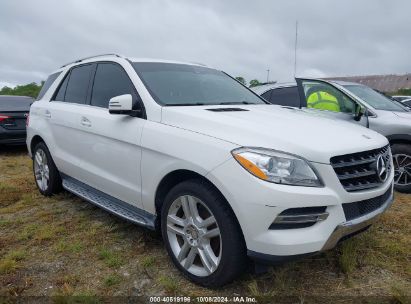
(321, 97)
(110, 143)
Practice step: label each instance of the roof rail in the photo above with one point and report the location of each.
(85, 58)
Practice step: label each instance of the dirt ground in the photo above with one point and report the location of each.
(63, 246)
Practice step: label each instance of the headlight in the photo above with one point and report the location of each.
(277, 167)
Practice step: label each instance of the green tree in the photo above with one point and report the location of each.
(254, 83)
(406, 92)
(241, 79)
(31, 89)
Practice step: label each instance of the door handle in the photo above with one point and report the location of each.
(85, 122)
(47, 114)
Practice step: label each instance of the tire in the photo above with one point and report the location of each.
(229, 247)
(43, 167)
(401, 154)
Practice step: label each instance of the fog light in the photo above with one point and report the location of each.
(299, 218)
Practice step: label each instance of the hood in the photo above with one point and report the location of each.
(403, 114)
(269, 126)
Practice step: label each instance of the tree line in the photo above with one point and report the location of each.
(31, 89)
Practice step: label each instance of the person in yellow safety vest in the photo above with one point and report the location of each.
(323, 101)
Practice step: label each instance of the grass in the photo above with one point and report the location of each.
(111, 259)
(112, 280)
(62, 246)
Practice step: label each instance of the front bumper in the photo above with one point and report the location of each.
(351, 227)
(342, 232)
(257, 203)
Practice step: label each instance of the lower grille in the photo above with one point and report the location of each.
(358, 171)
(361, 208)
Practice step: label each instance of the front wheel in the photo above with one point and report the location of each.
(46, 175)
(202, 235)
(401, 154)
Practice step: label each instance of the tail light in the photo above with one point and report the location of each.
(3, 117)
(27, 120)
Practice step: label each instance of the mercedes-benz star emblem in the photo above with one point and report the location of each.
(381, 167)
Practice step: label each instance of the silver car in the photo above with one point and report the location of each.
(356, 103)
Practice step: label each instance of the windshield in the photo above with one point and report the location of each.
(375, 99)
(181, 84)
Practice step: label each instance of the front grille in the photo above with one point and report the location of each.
(357, 171)
(361, 208)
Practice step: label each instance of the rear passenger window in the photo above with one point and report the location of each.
(286, 97)
(78, 83)
(47, 84)
(110, 81)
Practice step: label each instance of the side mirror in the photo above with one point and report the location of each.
(360, 111)
(123, 105)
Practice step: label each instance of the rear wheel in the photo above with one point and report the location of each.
(401, 154)
(46, 175)
(202, 235)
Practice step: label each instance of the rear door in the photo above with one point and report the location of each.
(317, 96)
(63, 115)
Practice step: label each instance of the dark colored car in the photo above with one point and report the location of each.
(13, 115)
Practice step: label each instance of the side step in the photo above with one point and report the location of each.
(109, 203)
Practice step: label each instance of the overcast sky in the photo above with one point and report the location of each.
(243, 38)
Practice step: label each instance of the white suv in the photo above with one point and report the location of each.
(188, 150)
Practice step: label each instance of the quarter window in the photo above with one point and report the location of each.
(78, 83)
(47, 84)
(62, 89)
(110, 81)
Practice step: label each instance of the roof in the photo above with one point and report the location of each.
(384, 83)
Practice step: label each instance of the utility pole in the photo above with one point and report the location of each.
(295, 48)
(268, 74)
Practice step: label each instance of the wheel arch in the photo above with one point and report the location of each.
(399, 139)
(34, 141)
(176, 177)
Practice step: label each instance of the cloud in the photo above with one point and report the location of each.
(243, 38)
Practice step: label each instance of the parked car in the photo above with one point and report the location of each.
(355, 103)
(188, 150)
(401, 98)
(13, 114)
(406, 102)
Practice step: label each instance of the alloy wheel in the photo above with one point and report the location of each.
(194, 235)
(41, 170)
(402, 169)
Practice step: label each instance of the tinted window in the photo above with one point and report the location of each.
(267, 95)
(110, 81)
(407, 103)
(182, 84)
(62, 89)
(47, 84)
(15, 103)
(77, 86)
(376, 100)
(286, 97)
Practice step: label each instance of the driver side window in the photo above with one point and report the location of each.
(323, 96)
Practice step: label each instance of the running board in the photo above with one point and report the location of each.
(109, 203)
